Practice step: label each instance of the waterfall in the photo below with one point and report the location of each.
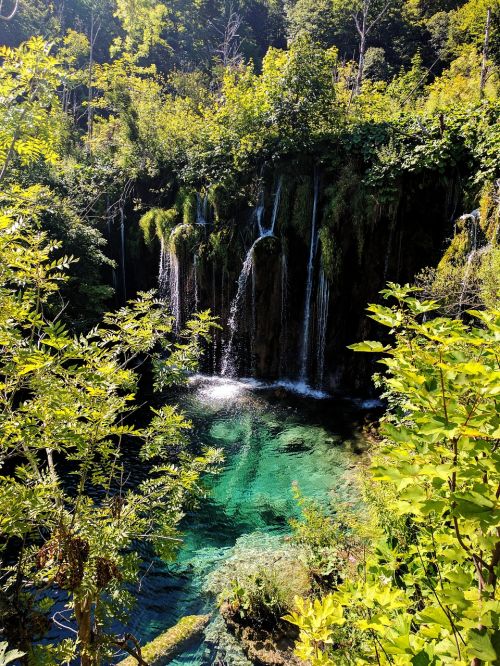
(465, 279)
(229, 359)
(306, 326)
(174, 288)
(259, 211)
(284, 312)
(276, 206)
(323, 303)
(163, 271)
(169, 283)
(474, 219)
(201, 209)
(195, 278)
(109, 225)
(217, 334)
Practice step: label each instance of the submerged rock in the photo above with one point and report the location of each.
(171, 643)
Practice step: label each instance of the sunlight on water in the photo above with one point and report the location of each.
(270, 439)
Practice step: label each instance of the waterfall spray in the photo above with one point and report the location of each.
(163, 271)
(175, 288)
(201, 209)
(228, 366)
(259, 211)
(284, 312)
(474, 219)
(306, 326)
(323, 304)
(276, 206)
(195, 278)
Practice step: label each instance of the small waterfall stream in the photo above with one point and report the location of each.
(169, 283)
(284, 313)
(229, 359)
(323, 304)
(259, 211)
(306, 326)
(201, 209)
(163, 271)
(473, 218)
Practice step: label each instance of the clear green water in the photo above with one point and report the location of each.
(269, 442)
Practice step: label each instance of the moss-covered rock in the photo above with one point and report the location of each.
(302, 207)
(171, 643)
(184, 237)
(218, 198)
(158, 223)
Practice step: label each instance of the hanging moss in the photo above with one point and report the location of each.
(489, 277)
(218, 199)
(218, 246)
(330, 254)
(285, 207)
(157, 223)
(489, 209)
(186, 203)
(349, 201)
(457, 251)
(302, 207)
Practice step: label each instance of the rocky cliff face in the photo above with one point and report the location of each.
(290, 262)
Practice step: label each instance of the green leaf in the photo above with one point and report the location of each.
(369, 346)
(481, 646)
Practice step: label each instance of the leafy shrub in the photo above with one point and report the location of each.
(430, 599)
(261, 598)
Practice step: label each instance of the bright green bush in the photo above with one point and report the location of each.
(432, 597)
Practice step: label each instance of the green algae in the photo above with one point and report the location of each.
(169, 644)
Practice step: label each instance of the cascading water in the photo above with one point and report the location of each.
(169, 283)
(174, 288)
(229, 360)
(259, 211)
(473, 218)
(284, 312)
(195, 278)
(306, 325)
(323, 304)
(201, 209)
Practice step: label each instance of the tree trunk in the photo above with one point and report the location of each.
(84, 623)
(361, 62)
(484, 65)
(90, 97)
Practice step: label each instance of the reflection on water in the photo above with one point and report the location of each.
(270, 439)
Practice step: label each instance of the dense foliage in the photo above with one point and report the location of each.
(116, 117)
(426, 592)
